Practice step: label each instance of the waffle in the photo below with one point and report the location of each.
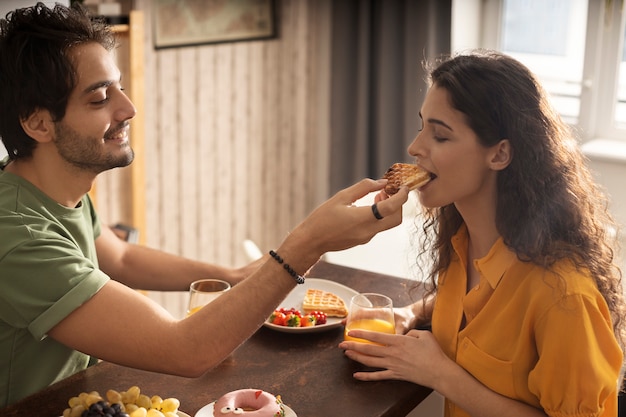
(324, 301)
(400, 174)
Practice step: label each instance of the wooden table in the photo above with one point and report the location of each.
(309, 371)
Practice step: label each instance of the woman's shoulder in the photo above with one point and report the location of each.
(557, 294)
(562, 279)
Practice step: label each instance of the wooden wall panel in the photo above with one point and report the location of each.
(166, 234)
(235, 138)
(255, 160)
(207, 109)
(188, 137)
(240, 118)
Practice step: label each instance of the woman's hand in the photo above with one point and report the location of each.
(413, 315)
(405, 318)
(415, 357)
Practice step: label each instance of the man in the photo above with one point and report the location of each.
(65, 280)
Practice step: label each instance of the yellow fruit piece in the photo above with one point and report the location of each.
(92, 398)
(77, 411)
(130, 408)
(154, 413)
(140, 412)
(170, 404)
(114, 397)
(74, 401)
(131, 394)
(144, 401)
(156, 402)
(170, 414)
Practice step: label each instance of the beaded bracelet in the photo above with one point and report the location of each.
(299, 278)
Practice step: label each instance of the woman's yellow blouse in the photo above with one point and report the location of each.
(528, 334)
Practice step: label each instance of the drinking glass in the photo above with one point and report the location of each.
(203, 291)
(370, 311)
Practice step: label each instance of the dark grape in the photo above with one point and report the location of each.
(103, 409)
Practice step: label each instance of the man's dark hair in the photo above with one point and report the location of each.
(36, 71)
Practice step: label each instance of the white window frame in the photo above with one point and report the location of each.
(602, 57)
(602, 60)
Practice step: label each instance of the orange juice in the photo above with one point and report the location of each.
(203, 291)
(193, 310)
(376, 325)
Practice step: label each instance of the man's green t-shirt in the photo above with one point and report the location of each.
(48, 268)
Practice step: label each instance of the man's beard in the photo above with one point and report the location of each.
(88, 153)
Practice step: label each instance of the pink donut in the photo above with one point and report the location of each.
(250, 402)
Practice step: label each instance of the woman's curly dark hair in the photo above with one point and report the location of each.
(549, 207)
(36, 71)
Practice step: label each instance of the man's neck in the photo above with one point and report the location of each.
(63, 184)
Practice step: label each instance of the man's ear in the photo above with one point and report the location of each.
(501, 156)
(39, 126)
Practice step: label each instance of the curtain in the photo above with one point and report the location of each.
(378, 82)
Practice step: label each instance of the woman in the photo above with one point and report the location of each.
(528, 311)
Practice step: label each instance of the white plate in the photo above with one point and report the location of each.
(207, 411)
(296, 296)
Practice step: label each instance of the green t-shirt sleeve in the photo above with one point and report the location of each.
(49, 278)
(49, 263)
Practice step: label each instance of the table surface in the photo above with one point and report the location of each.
(309, 371)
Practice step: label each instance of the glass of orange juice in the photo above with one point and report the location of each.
(370, 311)
(203, 291)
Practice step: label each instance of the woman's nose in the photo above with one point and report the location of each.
(415, 147)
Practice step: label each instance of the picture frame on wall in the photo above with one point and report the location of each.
(196, 22)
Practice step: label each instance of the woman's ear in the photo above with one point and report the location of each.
(39, 126)
(501, 156)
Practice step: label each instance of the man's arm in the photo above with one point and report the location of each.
(144, 268)
(120, 325)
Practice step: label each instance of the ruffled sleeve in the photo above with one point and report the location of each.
(579, 359)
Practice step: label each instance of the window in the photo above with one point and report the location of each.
(576, 47)
(620, 111)
(549, 37)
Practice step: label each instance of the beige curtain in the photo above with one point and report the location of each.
(378, 82)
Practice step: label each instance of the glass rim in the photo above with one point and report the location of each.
(226, 285)
(366, 295)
